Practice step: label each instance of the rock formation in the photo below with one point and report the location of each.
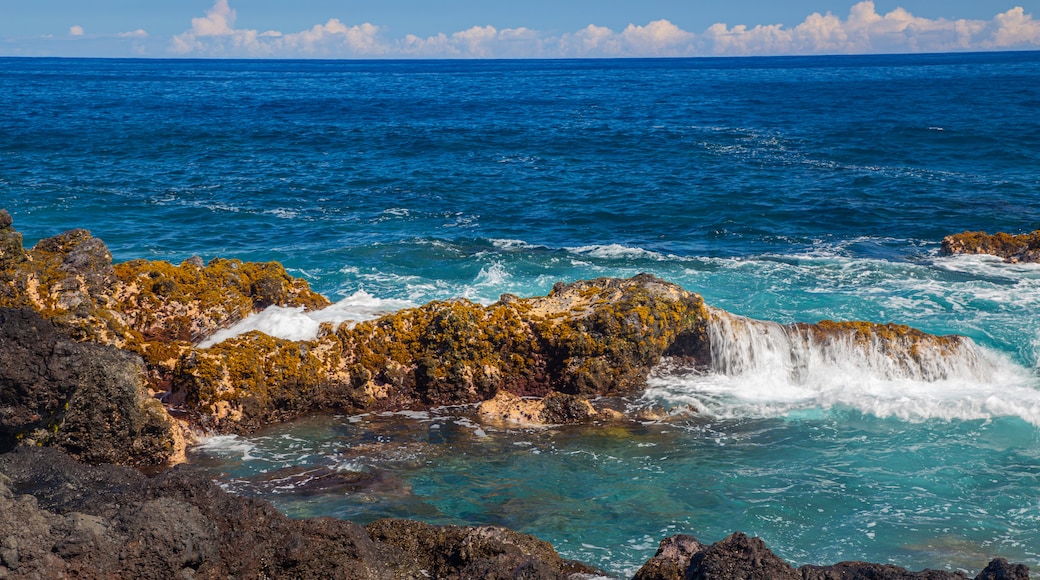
(739, 556)
(61, 518)
(1012, 248)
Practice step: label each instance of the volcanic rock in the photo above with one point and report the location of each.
(88, 399)
(60, 518)
(739, 556)
(1012, 248)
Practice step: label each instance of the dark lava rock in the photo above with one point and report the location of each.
(740, 557)
(11, 250)
(61, 518)
(475, 553)
(671, 560)
(88, 399)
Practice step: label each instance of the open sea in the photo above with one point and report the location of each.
(781, 189)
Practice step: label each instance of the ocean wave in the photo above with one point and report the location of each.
(763, 369)
(619, 252)
(293, 323)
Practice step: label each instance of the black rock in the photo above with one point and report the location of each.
(88, 399)
(740, 557)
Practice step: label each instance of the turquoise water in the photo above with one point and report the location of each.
(817, 487)
(782, 189)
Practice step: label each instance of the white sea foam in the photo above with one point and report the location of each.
(228, 444)
(765, 369)
(295, 324)
(507, 244)
(617, 252)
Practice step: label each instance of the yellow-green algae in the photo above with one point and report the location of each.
(1013, 248)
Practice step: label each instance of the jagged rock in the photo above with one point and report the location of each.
(1012, 248)
(59, 518)
(491, 553)
(88, 399)
(671, 560)
(70, 278)
(1000, 569)
(584, 339)
(168, 303)
(740, 556)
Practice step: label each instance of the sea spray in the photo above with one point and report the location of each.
(764, 369)
(813, 353)
(298, 324)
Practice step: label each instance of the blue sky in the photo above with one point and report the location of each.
(533, 28)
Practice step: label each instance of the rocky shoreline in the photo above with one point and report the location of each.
(101, 367)
(1014, 249)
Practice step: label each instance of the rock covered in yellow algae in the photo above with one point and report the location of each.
(1012, 248)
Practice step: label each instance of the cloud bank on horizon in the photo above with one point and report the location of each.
(863, 31)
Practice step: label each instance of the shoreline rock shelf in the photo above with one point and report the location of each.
(102, 362)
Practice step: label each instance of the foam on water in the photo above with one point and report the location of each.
(296, 324)
(618, 251)
(228, 444)
(764, 369)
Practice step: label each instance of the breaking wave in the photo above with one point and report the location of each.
(761, 368)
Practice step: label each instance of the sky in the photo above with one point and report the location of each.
(497, 29)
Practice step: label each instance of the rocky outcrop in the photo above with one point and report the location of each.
(593, 337)
(88, 399)
(150, 307)
(1012, 248)
(59, 518)
(739, 556)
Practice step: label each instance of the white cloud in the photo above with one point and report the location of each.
(219, 21)
(475, 42)
(139, 33)
(76, 30)
(864, 30)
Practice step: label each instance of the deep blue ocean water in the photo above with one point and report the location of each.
(783, 189)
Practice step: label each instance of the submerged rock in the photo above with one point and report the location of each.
(1012, 248)
(739, 556)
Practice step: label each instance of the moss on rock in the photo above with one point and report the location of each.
(588, 338)
(1012, 248)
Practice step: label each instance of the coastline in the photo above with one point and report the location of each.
(597, 337)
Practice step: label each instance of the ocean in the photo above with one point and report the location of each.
(782, 189)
